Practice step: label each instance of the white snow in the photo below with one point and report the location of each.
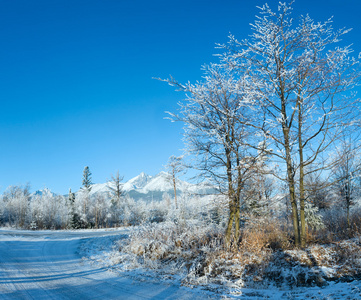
(47, 265)
(137, 182)
(106, 254)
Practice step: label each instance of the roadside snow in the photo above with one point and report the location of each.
(104, 252)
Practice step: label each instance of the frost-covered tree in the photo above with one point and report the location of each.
(166, 199)
(258, 193)
(99, 211)
(115, 187)
(48, 210)
(346, 174)
(216, 113)
(73, 222)
(175, 166)
(16, 205)
(85, 192)
(303, 77)
(313, 218)
(87, 179)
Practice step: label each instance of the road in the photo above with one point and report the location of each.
(46, 265)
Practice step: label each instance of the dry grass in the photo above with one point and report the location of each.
(265, 254)
(265, 234)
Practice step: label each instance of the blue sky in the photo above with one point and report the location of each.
(76, 85)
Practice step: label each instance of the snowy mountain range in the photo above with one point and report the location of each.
(148, 187)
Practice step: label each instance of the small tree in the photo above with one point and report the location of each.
(73, 216)
(87, 185)
(16, 200)
(175, 166)
(87, 179)
(347, 173)
(115, 187)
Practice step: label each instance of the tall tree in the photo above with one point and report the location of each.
(87, 186)
(215, 113)
(303, 79)
(116, 192)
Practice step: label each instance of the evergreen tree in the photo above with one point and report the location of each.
(73, 217)
(87, 179)
(87, 183)
(116, 193)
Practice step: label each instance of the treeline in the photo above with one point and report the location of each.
(46, 210)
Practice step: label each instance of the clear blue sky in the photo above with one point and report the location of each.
(76, 83)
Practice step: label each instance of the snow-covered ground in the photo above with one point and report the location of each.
(104, 253)
(47, 265)
(85, 265)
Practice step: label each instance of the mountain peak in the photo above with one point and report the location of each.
(148, 187)
(137, 182)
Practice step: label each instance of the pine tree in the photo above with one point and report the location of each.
(73, 217)
(87, 179)
(116, 192)
(87, 183)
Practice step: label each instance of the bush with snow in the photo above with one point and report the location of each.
(193, 251)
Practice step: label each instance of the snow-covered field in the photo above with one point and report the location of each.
(85, 265)
(47, 265)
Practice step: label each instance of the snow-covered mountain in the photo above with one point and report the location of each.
(42, 192)
(148, 187)
(137, 182)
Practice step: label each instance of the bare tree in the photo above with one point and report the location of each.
(175, 166)
(346, 174)
(99, 211)
(303, 81)
(317, 190)
(215, 113)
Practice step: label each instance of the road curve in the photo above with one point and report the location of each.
(45, 265)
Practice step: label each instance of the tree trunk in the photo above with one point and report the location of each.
(230, 224)
(291, 187)
(302, 206)
(348, 201)
(237, 216)
(175, 190)
(231, 197)
(301, 179)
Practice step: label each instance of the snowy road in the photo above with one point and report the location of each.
(46, 265)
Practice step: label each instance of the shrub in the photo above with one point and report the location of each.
(261, 234)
